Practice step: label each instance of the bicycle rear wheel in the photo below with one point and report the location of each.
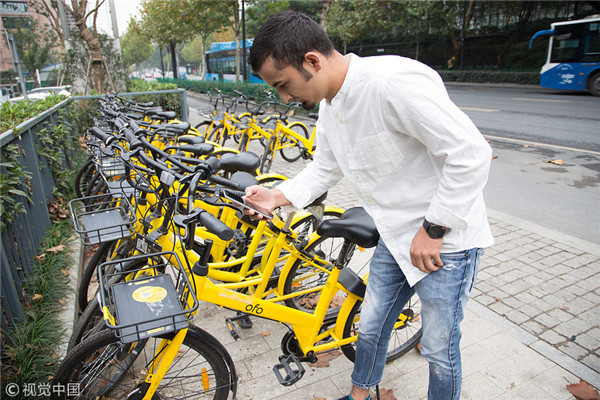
(404, 337)
(103, 366)
(303, 276)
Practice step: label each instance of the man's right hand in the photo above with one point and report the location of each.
(266, 198)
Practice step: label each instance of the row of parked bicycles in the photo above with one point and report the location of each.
(162, 205)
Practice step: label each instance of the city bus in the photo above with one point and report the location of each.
(220, 62)
(573, 60)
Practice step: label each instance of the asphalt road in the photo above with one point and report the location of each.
(531, 130)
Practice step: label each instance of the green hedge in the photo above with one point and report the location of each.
(254, 91)
(168, 101)
(518, 77)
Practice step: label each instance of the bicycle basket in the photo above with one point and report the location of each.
(144, 296)
(102, 218)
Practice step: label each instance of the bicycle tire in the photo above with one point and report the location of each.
(403, 338)
(294, 152)
(301, 278)
(90, 270)
(215, 133)
(83, 177)
(203, 128)
(112, 369)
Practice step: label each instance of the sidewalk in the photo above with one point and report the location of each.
(531, 328)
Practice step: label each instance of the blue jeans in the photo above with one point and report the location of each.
(443, 295)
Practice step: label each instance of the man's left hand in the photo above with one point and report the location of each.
(425, 252)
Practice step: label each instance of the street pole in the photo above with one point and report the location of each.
(244, 72)
(462, 39)
(15, 56)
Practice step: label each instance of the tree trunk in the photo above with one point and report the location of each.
(172, 46)
(325, 13)
(93, 44)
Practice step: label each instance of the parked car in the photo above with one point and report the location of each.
(40, 93)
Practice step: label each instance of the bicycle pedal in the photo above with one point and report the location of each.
(244, 321)
(292, 367)
(232, 331)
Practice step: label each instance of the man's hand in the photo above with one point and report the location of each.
(425, 252)
(265, 198)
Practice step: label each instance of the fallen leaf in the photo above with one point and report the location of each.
(65, 272)
(386, 394)
(525, 145)
(555, 162)
(266, 333)
(36, 297)
(56, 249)
(324, 358)
(583, 391)
(494, 157)
(40, 257)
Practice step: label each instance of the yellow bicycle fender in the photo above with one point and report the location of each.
(271, 177)
(344, 314)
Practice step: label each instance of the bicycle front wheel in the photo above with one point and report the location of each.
(291, 149)
(103, 367)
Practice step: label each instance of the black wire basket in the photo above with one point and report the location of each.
(102, 218)
(147, 295)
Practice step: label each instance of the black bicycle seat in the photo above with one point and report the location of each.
(355, 225)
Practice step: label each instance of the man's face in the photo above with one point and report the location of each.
(291, 84)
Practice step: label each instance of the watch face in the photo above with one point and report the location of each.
(435, 231)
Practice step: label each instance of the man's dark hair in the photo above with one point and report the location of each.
(287, 37)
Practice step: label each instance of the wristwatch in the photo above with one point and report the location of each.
(434, 231)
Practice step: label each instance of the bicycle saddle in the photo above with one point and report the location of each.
(355, 225)
(190, 139)
(200, 149)
(242, 161)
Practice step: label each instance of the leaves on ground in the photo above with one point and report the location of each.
(555, 162)
(386, 394)
(324, 358)
(583, 391)
(56, 249)
(36, 297)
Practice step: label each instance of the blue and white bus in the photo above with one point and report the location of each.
(573, 61)
(220, 62)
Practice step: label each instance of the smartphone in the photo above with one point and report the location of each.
(247, 204)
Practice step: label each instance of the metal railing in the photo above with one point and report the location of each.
(21, 239)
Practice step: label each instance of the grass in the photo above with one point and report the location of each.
(31, 347)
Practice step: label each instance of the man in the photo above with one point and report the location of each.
(418, 166)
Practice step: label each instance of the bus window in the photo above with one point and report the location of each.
(591, 49)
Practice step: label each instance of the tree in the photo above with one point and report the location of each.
(78, 9)
(168, 22)
(76, 60)
(49, 9)
(135, 49)
(35, 43)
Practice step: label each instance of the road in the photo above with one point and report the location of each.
(528, 128)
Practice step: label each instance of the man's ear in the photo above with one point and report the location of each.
(314, 60)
